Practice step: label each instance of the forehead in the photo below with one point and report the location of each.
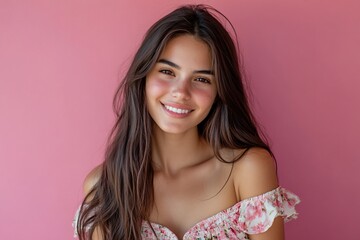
(187, 50)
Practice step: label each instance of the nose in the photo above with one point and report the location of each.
(181, 89)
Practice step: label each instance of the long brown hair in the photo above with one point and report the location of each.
(123, 197)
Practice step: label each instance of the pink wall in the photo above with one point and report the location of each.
(59, 65)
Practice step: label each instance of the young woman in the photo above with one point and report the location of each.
(185, 159)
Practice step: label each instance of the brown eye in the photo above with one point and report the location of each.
(167, 72)
(203, 80)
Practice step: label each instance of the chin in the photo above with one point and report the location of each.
(176, 130)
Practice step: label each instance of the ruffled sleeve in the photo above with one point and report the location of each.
(77, 218)
(257, 214)
(75, 221)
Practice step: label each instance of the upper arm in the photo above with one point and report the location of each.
(97, 234)
(91, 179)
(255, 174)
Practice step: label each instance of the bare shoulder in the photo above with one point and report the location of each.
(92, 178)
(254, 173)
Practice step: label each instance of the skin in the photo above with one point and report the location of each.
(181, 78)
(187, 176)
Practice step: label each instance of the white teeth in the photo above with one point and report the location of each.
(177, 110)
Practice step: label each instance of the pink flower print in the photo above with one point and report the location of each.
(258, 210)
(222, 235)
(250, 216)
(253, 212)
(259, 228)
(277, 203)
(163, 231)
(242, 226)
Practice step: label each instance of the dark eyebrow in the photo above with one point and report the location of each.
(208, 72)
(167, 62)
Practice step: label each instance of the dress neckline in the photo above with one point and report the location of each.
(228, 211)
(223, 214)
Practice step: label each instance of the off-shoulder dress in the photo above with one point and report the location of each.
(249, 216)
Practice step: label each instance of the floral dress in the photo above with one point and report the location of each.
(249, 216)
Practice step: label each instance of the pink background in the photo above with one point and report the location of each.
(60, 62)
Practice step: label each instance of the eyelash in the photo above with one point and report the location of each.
(203, 80)
(199, 79)
(167, 72)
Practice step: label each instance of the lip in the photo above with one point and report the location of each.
(176, 110)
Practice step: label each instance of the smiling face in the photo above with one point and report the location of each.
(181, 87)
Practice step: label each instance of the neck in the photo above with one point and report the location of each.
(172, 153)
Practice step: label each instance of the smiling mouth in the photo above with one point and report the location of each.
(177, 110)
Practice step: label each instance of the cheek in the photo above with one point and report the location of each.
(205, 96)
(155, 87)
